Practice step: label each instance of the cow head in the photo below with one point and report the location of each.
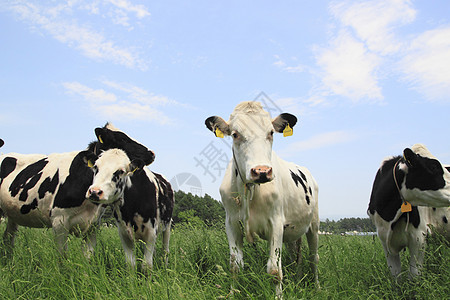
(252, 131)
(110, 137)
(427, 181)
(112, 170)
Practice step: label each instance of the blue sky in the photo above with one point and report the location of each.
(365, 79)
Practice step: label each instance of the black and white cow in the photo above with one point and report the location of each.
(419, 179)
(275, 199)
(38, 190)
(142, 202)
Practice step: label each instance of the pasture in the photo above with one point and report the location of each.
(350, 267)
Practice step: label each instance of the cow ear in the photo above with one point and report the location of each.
(218, 126)
(104, 135)
(283, 120)
(1, 142)
(89, 158)
(135, 165)
(410, 157)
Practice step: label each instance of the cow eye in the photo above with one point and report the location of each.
(235, 135)
(271, 134)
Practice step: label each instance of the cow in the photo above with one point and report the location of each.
(38, 190)
(274, 199)
(142, 202)
(410, 193)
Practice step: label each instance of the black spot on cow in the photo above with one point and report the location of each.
(115, 139)
(27, 179)
(413, 217)
(139, 198)
(8, 165)
(49, 185)
(423, 173)
(166, 202)
(72, 192)
(116, 176)
(26, 208)
(444, 219)
(385, 198)
(236, 173)
(298, 179)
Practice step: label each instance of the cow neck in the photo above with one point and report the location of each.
(249, 189)
(401, 196)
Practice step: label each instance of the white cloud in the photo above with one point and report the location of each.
(127, 102)
(348, 69)
(375, 21)
(58, 22)
(140, 10)
(426, 65)
(91, 95)
(279, 63)
(323, 140)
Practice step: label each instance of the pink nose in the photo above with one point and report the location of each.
(261, 174)
(95, 193)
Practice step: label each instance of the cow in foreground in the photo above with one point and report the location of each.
(418, 179)
(274, 199)
(38, 190)
(142, 202)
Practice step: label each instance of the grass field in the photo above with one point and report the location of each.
(350, 267)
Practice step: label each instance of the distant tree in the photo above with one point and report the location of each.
(348, 224)
(206, 208)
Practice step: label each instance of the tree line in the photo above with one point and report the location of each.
(206, 211)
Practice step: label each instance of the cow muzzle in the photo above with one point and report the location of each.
(95, 194)
(261, 174)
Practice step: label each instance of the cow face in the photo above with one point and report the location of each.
(427, 181)
(111, 175)
(252, 131)
(110, 137)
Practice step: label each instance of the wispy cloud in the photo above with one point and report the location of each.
(122, 101)
(322, 140)
(59, 22)
(281, 64)
(364, 40)
(426, 65)
(374, 22)
(348, 69)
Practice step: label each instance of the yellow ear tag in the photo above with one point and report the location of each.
(406, 207)
(288, 131)
(90, 164)
(219, 133)
(100, 139)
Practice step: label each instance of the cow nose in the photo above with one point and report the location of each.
(261, 174)
(95, 194)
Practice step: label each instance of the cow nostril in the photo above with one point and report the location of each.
(100, 192)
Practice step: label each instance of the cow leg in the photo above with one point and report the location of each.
(9, 236)
(274, 263)
(61, 234)
(235, 241)
(394, 263)
(295, 253)
(90, 240)
(127, 239)
(416, 253)
(313, 244)
(149, 249)
(166, 239)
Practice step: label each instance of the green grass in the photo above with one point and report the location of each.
(350, 267)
